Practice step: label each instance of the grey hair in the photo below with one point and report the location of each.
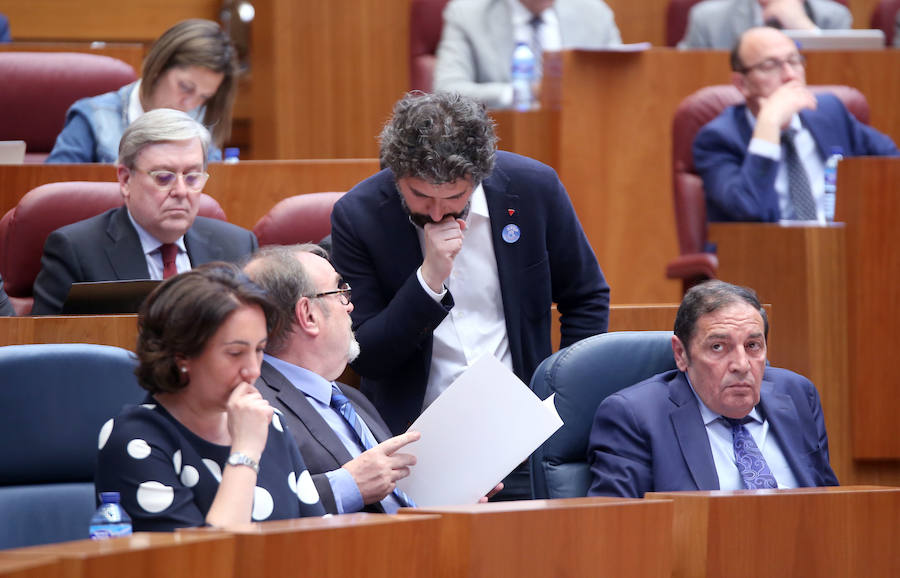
(158, 126)
(277, 271)
(708, 297)
(439, 138)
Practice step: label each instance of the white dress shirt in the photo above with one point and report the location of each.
(809, 158)
(152, 253)
(476, 325)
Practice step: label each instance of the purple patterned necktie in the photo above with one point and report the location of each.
(749, 460)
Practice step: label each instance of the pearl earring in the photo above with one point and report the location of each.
(183, 369)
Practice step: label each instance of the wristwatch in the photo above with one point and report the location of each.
(239, 459)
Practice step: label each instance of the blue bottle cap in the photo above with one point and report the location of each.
(836, 150)
(109, 497)
(232, 152)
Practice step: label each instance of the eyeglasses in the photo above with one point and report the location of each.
(165, 180)
(343, 291)
(771, 65)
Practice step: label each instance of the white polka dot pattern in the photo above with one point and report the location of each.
(138, 449)
(154, 497)
(292, 482)
(190, 476)
(150, 406)
(262, 504)
(176, 461)
(214, 468)
(306, 489)
(104, 433)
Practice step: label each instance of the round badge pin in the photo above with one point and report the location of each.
(511, 233)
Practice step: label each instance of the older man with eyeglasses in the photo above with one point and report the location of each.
(764, 160)
(157, 233)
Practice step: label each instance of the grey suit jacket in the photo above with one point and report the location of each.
(107, 248)
(717, 24)
(474, 56)
(320, 447)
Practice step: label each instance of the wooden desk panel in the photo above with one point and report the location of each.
(869, 202)
(246, 190)
(833, 532)
(800, 271)
(571, 537)
(121, 330)
(29, 566)
(143, 555)
(370, 545)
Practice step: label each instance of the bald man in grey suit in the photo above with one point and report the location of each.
(474, 56)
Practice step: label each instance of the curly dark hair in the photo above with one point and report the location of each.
(183, 313)
(439, 138)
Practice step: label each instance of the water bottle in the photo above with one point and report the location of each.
(831, 166)
(110, 520)
(232, 155)
(523, 77)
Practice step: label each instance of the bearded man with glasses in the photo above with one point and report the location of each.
(755, 157)
(157, 233)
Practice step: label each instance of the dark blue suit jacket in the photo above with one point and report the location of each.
(107, 247)
(741, 187)
(376, 249)
(650, 437)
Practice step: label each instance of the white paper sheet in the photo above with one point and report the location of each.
(484, 425)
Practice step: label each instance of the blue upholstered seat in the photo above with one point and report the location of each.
(581, 376)
(54, 399)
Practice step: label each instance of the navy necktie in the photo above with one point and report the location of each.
(798, 181)
(340, 402)
(748, 458)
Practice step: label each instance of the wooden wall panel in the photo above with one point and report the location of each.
(326, 75)
(104, 20)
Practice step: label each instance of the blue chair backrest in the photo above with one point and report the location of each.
(581, 376)
(54, 399)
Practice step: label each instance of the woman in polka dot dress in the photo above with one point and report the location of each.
(204, 448)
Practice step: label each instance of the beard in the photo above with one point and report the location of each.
(420, 220)
(352, 349)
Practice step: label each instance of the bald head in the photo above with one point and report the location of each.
(763, 60)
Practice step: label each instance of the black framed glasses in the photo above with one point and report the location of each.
(343, 292)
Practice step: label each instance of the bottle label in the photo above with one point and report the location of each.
(110, 531)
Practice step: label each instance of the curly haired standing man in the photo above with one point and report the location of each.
(456, 250)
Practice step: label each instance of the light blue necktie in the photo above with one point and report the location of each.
(340, 402)
(750, 462)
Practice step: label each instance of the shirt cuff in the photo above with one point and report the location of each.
(346, 493)
(436, 296)
(764, 148)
